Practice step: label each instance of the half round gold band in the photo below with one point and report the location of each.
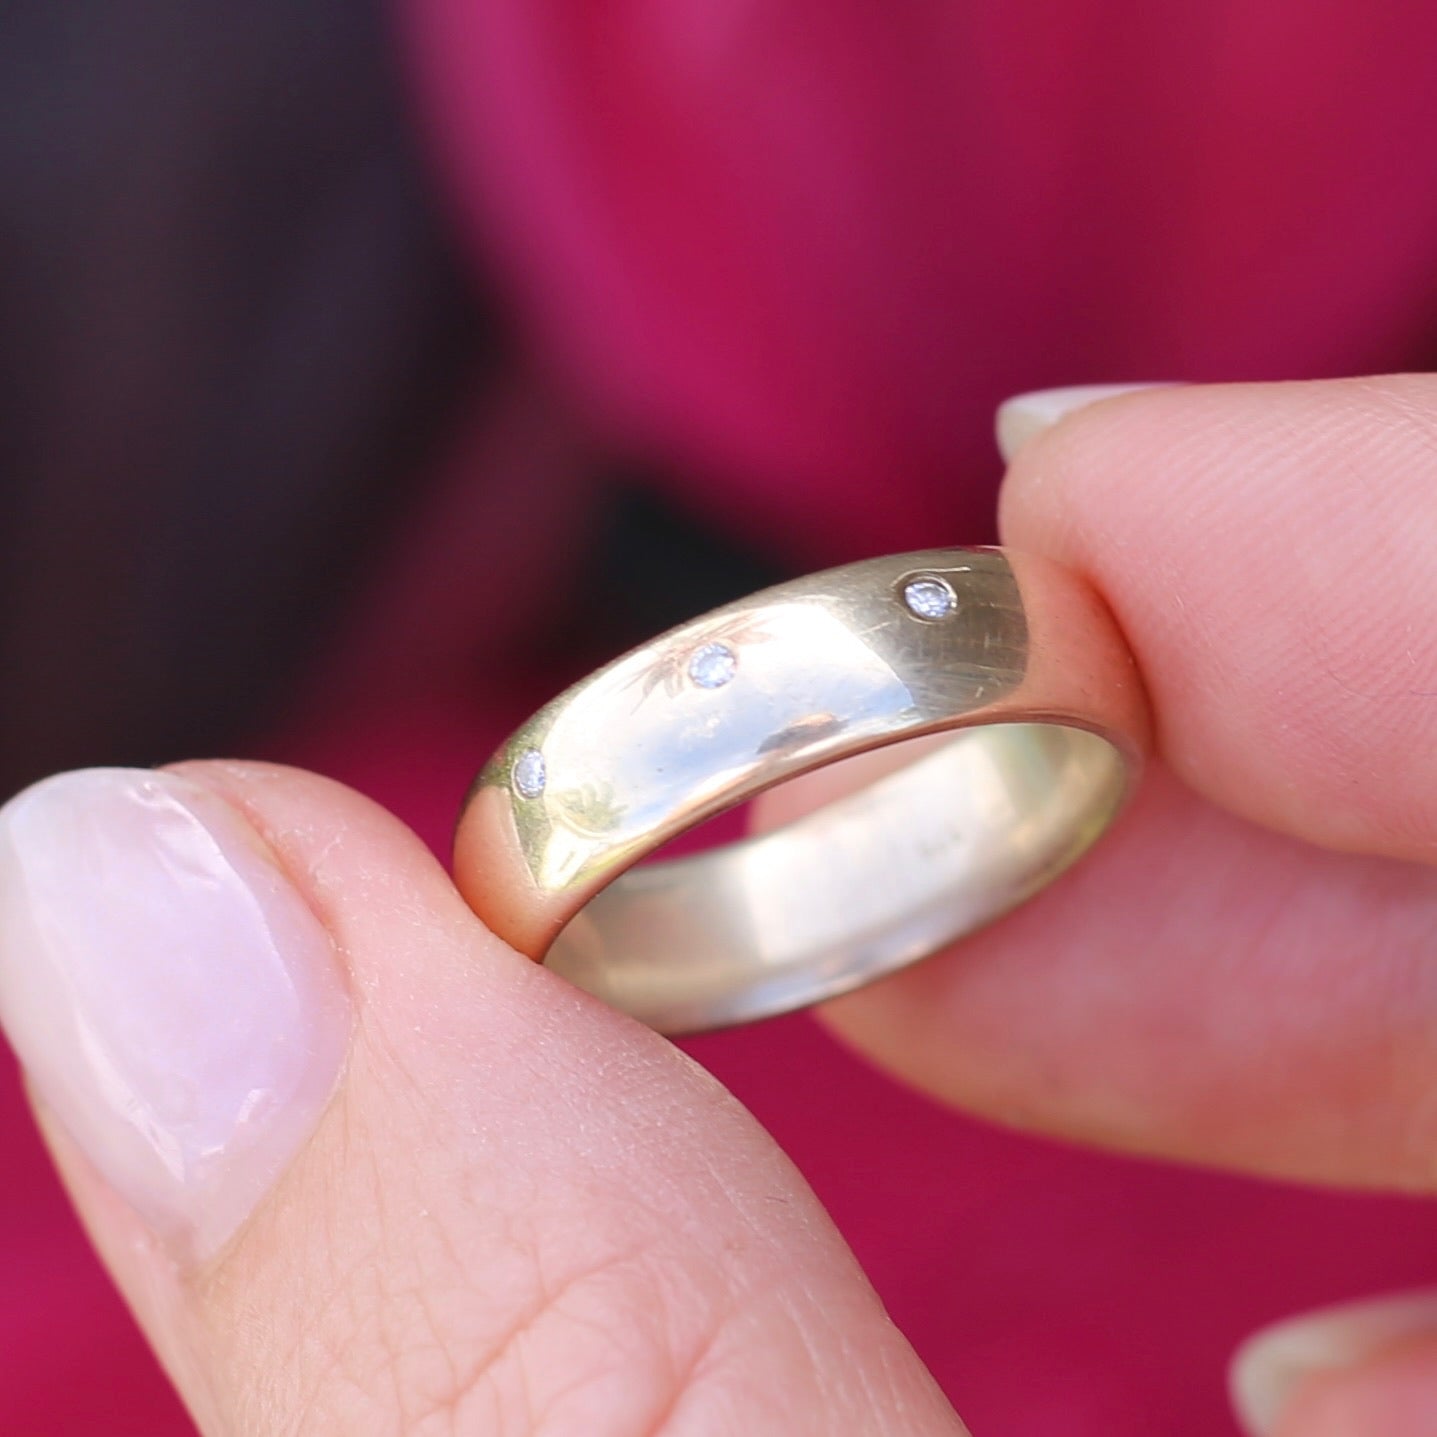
(1012, 655)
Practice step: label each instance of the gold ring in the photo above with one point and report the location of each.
(1013, 657)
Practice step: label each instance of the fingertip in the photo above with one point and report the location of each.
(1267, 550)
(1024, 417)
(1359, 1370)
(174, 999)
(1046, 439)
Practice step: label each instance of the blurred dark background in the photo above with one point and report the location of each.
(231, 331)
(366, 374)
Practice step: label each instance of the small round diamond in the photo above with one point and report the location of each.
(929, 598)
(712, 666)
(530, 773)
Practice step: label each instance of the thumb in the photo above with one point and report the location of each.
(358, 1167)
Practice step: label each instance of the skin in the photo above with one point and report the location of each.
(523, 1213)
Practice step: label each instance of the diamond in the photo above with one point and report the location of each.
(530, 773)
(929, 598)
(712, 666)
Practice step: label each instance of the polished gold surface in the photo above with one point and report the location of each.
(1013, 650)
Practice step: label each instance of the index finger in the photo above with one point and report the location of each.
(1240, 973)
(1271, 553)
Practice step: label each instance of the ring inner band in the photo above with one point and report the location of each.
(870, 882)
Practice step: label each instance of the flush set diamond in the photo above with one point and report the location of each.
(713, 665)
(929, 598)
(530, 773)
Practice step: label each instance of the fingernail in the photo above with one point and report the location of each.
(177, 1005)
(1271, 1366)
(1026, 415)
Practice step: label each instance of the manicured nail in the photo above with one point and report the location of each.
(1025, 415)
(176, 1004)
(1271, 1366)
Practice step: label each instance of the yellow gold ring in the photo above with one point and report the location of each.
(1012, 657)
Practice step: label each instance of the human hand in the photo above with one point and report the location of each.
(359, 1167)
(1241, 972)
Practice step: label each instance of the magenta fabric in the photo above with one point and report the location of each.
(804, 246)
(798, 250)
